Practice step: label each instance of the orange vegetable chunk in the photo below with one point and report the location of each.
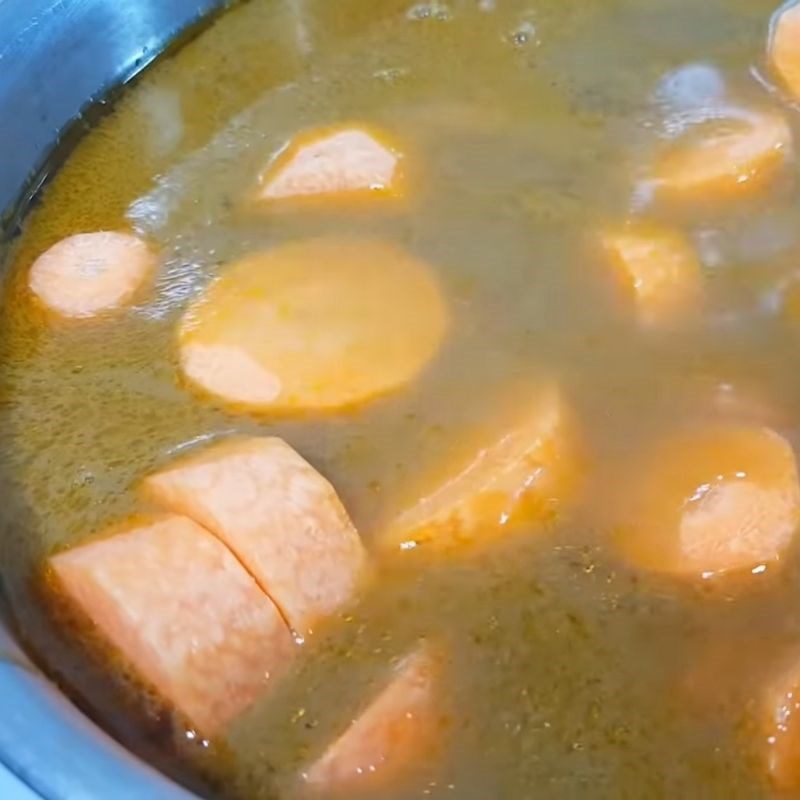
(185, 614)
(711, 501)
(334, 163)
(726, 157)
(91, 273)
(780, 725)
(318, 325)
(755, 672)
(524, 473)
(401, 727)
(784, 49)
(659, 268)
(280, 517)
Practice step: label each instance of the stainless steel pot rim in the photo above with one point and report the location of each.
(57, 753)
(56, 58)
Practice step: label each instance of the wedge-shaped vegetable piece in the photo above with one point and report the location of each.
(335, 163)
(280, 517)
(754, 672)
(319, 325)
(400, 729)
(712, 500)
(726, 157)
(658, 267)
(779, 724)
(526, 472)
(784, 47)
(183, 612)
(91, 273)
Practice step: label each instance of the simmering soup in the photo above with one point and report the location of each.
(398, 401)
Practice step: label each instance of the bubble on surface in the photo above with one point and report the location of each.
(440, 12)
(691, 86)
(524, 34)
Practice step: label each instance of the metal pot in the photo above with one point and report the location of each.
(56, 58)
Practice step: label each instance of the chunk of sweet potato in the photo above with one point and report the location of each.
(524, 473)
(779, 724)
(658, 267)
(280, 517)
(400, 728)
(343, 162)
(784, 47)
(752, 677)
(183, 612)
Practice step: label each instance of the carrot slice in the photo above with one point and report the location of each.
(320, 325)
(726, 157)
(659, 268)
(523, 474)
(784, 47)
(712, 501)
(752, 670)
(334, 163)
(279, 516)
(780, 724)
(87, 274)
(182, 610)
(400, 728)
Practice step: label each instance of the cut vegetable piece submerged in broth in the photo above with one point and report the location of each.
(280, 517)
(455, 341)
(783, 53)
(659, 269)
(336, 164)
(733, 153)
(313, 326)
(403, 725)
(88, 274)
(525, 474)
(184, 612)
(712, 501)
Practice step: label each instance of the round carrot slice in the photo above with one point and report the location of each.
(784, 47)
(713, 501)
(87, 274)
(318, 325)
(725, 157)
